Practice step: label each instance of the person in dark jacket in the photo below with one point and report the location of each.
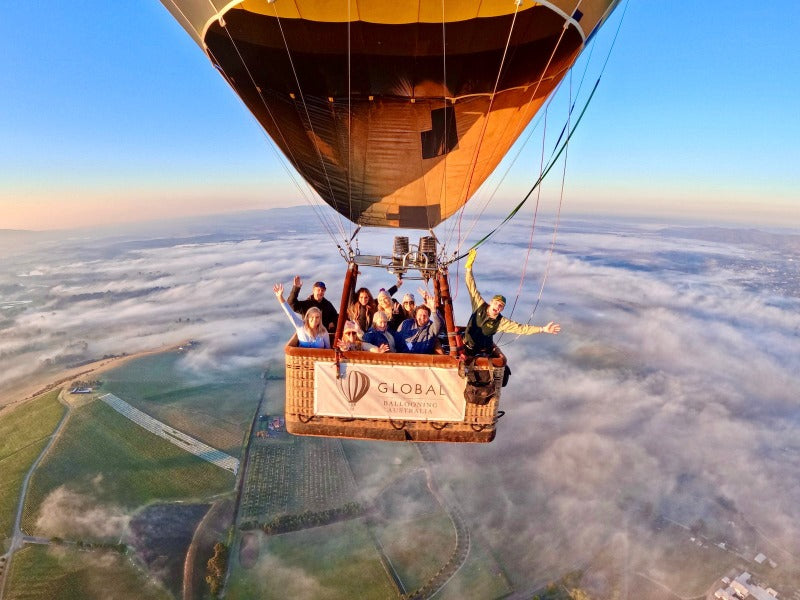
(486, 319)
(317, 298)
(420, 333)
(362, 307)
(380, 334)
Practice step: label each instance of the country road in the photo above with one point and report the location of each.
(19, 538)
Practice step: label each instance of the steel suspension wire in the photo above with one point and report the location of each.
(533, 223)
(552, 243)
(216, 63)
(349, 116)
(308, 115)
(540, 118)
(519, 121)
(557, 154)
(443, 186)
(281, 160)
(539, 180)
(474, 161)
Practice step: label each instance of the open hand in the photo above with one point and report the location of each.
(551, 327)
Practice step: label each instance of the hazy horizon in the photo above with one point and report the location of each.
(672, 389)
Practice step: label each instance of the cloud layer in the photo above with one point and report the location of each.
(672, 390)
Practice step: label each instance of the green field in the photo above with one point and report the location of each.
(376, 464)
(216, 408)
(479, 577)
(23, 435)
(102, 456)
(64, 573)
(295, 476)
(418, 548)
(331, 562)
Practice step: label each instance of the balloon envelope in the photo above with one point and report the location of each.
(394, 111)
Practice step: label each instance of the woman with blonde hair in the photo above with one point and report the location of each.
(311, 333)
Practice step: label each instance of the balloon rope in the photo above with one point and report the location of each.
(555, 157)
(533, 95)
(443, 187)
(349, 116)
(305, 108)
(552, 242)
(474, 162)
(550, 165)
(533, 223)
(326, 223)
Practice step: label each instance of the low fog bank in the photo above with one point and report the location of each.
(672, 391)
(78, 296)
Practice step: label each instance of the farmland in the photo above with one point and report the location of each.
(110, 462)
(335, 561)
(295, 475)
(23, 434)
(214, 408)
(65, 573)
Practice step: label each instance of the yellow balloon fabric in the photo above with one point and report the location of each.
(393, 111)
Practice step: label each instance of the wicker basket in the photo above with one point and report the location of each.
(478, 424)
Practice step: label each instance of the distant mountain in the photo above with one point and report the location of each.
(725, 235)
(6, 233)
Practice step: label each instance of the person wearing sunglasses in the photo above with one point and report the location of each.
(351, 340)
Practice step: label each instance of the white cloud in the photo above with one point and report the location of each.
(674, 381)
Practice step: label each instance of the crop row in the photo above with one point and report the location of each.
(309, 475)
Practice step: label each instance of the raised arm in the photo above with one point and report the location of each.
(474, 295)
(296, 285)
(430, 302)
(509, 326)
(295, 319)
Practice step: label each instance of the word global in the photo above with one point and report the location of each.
(407, 388)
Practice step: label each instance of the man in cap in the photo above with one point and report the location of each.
(486, 319)
(317, 298)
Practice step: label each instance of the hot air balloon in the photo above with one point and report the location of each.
(395, 113)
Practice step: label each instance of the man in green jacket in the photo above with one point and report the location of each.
(486, 319)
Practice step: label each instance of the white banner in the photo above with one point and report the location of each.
(397, 392)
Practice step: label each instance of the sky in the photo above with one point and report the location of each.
(670, 392)
(110, 113)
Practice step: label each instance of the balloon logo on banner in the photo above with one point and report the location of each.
(354, 386)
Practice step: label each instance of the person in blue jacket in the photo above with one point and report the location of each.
(420, 333)
(380, 334)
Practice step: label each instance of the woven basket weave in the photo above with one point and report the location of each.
(478, 424)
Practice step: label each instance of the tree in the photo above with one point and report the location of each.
(216, 567)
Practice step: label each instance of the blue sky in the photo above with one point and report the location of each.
(111, 113)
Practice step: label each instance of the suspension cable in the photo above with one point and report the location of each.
(474, 162)
(552, 240)
(533, 223)
(349, 115)
(308, 115)
(519, 122)
(556, 154)
(216, 63)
